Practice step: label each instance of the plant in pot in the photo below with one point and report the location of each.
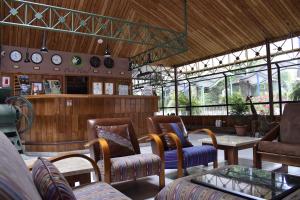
(238, 111)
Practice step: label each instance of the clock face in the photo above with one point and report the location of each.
(15, 56)
(36, 58)
(56, 59)
(76, 60)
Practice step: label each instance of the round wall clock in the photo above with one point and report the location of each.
(108, 62)
(95, 61)
(36, 58)
(15, 56)
(76, 60)
(56, 59)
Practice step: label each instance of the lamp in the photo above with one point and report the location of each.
(44, 48)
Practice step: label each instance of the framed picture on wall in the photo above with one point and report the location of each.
(36, 88)
(97, 88)
(109, 88)
(5, 81)
(123, 89)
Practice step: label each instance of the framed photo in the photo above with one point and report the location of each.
(5, 81)
(97, 88)
(36, 88)
(123, 89)
(109, 88)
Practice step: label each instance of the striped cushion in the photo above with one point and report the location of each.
(132, 167)
(50, 183)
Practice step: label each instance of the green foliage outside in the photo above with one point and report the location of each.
(295, 95)
(238, 108)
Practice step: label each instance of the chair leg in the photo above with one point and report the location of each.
(216, 164)
(257, 160)
(162, 179)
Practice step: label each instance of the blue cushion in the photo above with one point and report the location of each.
(192, 156)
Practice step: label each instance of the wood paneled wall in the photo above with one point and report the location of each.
(61, 120)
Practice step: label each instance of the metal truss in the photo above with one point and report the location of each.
(163, 42)
(240, 60)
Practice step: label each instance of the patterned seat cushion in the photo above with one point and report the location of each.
(98, 191)
(132, 167)
(50, 183)
(192, 156)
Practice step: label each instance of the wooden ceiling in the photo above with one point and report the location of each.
(214, 27)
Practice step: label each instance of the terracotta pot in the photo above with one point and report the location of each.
(241, 130)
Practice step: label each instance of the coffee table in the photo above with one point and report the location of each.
(231, 144)
(250, 183)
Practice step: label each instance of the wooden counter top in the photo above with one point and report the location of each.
(44, 96)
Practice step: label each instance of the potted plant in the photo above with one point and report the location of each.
(239, 110)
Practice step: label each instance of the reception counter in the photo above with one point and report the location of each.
(60, 122)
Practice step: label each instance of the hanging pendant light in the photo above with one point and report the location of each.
(106, 52)
(27, 60)
(44, 48)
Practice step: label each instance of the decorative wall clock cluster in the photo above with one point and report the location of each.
(56, 59)
(36, 57)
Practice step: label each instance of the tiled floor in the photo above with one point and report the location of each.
(147, 188)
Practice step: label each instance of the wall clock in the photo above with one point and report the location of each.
(56, 59)
(36, 58)
(95, 61)
(15, 56)
(108, 62)
(76, 60)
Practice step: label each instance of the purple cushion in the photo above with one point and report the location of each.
(192, 156)
(50, 183)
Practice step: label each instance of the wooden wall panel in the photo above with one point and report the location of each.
(59, 127)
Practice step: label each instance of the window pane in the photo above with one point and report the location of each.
(208, 92)
(253, 84)
(169, 96)
(184, 111)
(169, 111)
(183, 94)
(290, 83)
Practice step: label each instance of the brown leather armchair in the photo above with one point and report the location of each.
(282, 143)
(182, 156)
(117, 163)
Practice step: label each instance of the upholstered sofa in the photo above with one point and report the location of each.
(17, 182)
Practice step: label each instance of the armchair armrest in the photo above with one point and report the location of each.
(105, 155)
(209, 133)
(159, 147)
(272, 134)
(72, 155)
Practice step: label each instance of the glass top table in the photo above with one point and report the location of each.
(250, 183)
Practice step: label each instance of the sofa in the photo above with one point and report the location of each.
(18, 183)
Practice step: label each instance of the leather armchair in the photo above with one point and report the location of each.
(127, 167)
(182, 157)
(282, 143)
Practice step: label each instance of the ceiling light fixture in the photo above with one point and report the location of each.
(106, 52)
(44, 48)
(27, 60)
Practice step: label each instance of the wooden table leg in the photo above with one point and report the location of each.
(232, 156)
(225, 154)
